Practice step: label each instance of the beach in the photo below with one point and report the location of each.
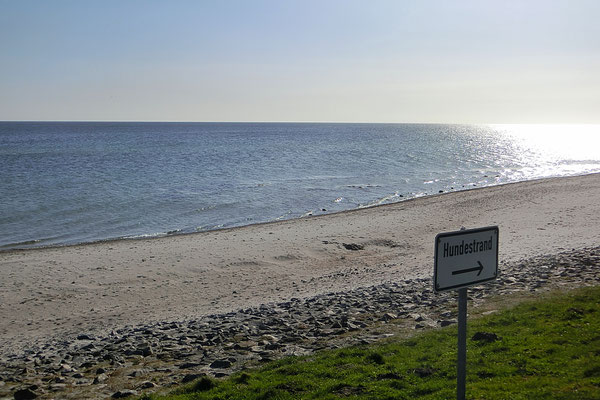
(66, 291)
(117, 318)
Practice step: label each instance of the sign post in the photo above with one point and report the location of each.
(464, 258)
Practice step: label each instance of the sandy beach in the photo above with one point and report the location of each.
(66, 291)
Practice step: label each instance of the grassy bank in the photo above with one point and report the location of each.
(549, 348)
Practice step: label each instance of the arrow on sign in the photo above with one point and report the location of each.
(464, 271)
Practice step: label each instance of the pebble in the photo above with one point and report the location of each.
(121, 394)
(24, 394)
(220, 344)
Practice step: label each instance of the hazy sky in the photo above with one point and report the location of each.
(343, 61)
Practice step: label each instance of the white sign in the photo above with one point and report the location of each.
(465, 258)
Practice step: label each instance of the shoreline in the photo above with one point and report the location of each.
(66, 291)
(159, 236)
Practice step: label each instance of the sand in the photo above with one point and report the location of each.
(66, 291)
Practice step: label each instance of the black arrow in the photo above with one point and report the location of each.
(464, 271)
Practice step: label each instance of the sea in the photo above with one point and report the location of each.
(63, 183)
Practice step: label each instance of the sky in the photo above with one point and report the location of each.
(456, 61)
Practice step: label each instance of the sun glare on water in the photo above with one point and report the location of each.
(570, 141)
(556, 149)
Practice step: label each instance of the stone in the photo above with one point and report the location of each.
(486, 337)
(389, 316)
(139, 372)
(66, 368)
(24, 394)
(417, 317)
(191, 377)
(144, 351)
(189, 365)
(100, 378)
(121, 394)
(244, 345)
(446, 322)
(220, 364)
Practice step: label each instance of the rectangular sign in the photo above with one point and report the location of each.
(465, 258)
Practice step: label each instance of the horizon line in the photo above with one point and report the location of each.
(304, 122)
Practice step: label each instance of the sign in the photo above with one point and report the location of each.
(465, 258)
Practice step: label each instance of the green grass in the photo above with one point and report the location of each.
(547, 349)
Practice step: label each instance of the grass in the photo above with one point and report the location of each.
(545, 349)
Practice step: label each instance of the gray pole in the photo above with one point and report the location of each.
(461, 377)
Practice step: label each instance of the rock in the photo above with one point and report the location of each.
(121, 394)
(25, 394)
(147, 385)
(389, 316)
(417, 317)
(84, 337)
(191, 377)
(353, 246)
(245, 345)
(189, 365)
(144, 351)
(446, 322)
(220, 364)
(336, 325)
(139, 372)
(485, 337)
(426, 324)
(66, 368)
(100, 378)
(89, 346)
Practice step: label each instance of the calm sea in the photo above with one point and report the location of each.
(71, 182)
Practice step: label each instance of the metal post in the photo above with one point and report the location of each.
(461, 377)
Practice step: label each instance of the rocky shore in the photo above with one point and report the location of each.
(142, 358)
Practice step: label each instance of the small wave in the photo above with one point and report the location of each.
(284, 216)
(145, 235)
(387, 199)
(24, 243)
(209, 228)
(367, 186)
